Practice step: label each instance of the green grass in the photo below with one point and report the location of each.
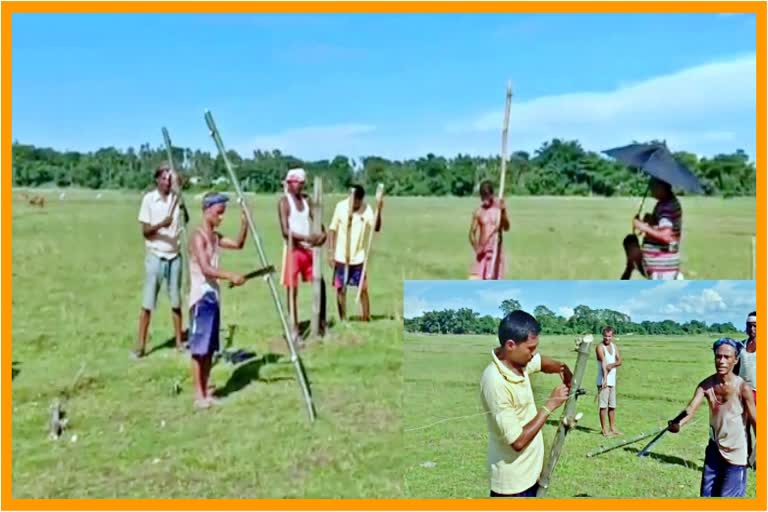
(656, 381)
(550, 237)
(77, 277)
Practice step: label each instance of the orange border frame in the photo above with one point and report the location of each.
(356, 6)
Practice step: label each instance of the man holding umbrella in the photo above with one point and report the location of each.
(662, 229)
(661, 240)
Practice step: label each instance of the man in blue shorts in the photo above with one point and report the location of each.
(348, 232)
(204, 293)
(731, 413)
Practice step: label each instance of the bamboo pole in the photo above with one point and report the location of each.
(496, 258)
(295, 358)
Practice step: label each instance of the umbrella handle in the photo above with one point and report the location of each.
(639, 210)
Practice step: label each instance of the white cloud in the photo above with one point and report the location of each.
(706, 301)
(647, 300)
(706, 109)
(722, 301)
(683, 107)
(565, 311)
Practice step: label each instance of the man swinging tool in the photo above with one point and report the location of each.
(204, 293)
(289, 339)
(731, 413)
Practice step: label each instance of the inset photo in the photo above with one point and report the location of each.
(594, 389)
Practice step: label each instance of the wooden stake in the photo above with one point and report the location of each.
(569, 417)
(301, 374)
(176, 188)
(289, 272)
(348, 249)
(379, 197)
(318, 309)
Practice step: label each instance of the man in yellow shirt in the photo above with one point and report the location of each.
(515, 443)
(356, 228)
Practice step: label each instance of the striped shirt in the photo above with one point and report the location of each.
(660, 257)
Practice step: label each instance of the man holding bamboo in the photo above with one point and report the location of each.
(352, 223)
(160, 221)
(515, 442)
(484, 231)
(295, 217)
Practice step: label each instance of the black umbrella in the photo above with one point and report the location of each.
(656, 160)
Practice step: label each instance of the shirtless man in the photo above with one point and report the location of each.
(731, 406)
(204, 292)
(483, 235)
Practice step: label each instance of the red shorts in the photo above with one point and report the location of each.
(300, 264)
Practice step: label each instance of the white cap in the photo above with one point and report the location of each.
(296, 174)
(751, 319)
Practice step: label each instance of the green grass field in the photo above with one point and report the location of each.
(77, 277)
(550, 237)
(656, 381)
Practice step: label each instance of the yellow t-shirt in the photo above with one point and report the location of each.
(362, 228)
(508, 402)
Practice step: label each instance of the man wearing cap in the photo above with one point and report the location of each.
(295, 217)
(204, 293)
(731, 414)
(159, 217)
(348, 229)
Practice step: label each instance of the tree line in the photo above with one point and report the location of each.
(583, 320)
(558, 167)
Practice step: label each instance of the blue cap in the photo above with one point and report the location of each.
(214, 199)
(727, 341)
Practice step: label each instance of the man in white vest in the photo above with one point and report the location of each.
(296, 222)
(608, 359)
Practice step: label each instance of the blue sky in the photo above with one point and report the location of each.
(709, 301)
(392, 85)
